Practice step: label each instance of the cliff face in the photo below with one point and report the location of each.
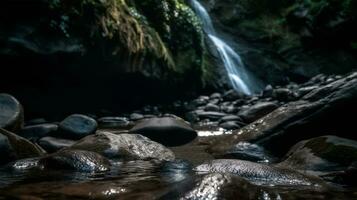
(295, 39)
(126, 50)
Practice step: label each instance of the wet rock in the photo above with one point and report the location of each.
(17, 147)
(35, 132)
(221, 186)
(268, 91)
(257, 111)
(247, 151)
(51, 144)
(304, 90)
(77, 160)
(77, 126)
(210, 115)
(325, 153)
(230, 118)
(323, 109)
(232, 95)
(229, 109)
(128, 146)
(212, 107)
(7, 152)
(230, 125)
(258, 173)
(215, 96)
(26, 164)
(11, 113)
(136, 116)
(284, 94)
(166, 130)
(114, 122)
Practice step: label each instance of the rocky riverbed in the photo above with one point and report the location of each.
(288, 142)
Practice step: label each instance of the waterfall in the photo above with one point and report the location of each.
(239, 77)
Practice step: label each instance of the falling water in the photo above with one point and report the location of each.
(238, 76)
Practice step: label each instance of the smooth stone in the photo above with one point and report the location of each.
(210, 115)
(325, 153)
(212, 107)
(215, 96)
(166, 130)
(230, 125)
(136, 116)
(247, 151)
(127, 146)
(35, 132)
(268, 91)
(113, 122)
(20, 147)
(11, 113)
(51, 144)
(229, 118)
(259, 173)
(77, 160)
(77, 126)
(229, 109)
(257, 111)
(232, 95)
(221, 186)
(283, 94)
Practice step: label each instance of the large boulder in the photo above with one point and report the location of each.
(127, 146)
(16, 147)
(77, 160)
(325, 153)
(77, 126)
(259, 173)
(325, 109)
(166, 130)
(11, 113)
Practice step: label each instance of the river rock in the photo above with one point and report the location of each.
(136, 116)
(247, 151)
(325, 153)
(322, 110)
(51, 144)
(231, 125)
(7, 152)
(166, 130)
(11, 113)
(221, 186)
(77, 126)
(114, 122)
(35, 132)
(77, 160)
(17, 147)
(212, 107)
(258, 173)
(257, 111)
(128, 146)
(229, 118)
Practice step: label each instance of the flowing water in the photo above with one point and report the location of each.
(239, 77)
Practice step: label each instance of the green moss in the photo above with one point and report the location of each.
(157, 35)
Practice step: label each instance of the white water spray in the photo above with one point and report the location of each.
(238, 76)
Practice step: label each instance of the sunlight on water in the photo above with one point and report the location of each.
(238, 76)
